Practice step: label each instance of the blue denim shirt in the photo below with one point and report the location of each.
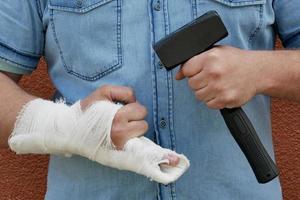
(89, 43)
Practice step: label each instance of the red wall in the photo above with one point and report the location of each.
(24, 177)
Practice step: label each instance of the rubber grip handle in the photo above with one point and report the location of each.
(245, 135)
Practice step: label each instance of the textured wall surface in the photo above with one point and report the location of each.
(24, 177)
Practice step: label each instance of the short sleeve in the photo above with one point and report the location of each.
(21, 34)
(288, 22)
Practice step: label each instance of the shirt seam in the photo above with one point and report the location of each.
(194, 8)
(170, 95)
(241, 3)
(79, 10)
(39, 9)
(255, 32)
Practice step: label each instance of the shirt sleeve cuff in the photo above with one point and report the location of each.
(25, 61)
(6, 67)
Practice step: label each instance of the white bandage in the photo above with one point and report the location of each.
(44, 127)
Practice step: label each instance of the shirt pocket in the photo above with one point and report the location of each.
(242, 18)
(88, 36)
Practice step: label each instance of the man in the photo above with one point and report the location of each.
(91, 43)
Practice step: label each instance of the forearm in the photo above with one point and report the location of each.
(279, 73)
(12, 99)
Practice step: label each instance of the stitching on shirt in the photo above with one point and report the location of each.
(119, 32)
(110, 68)
(170, 95)
(39, 8)
(254, 33)
(33, 58)
(80, 10)
(194, 8)
(22, 66)
(241, 3)
(169, 81)
(153, 74)
(166, 18)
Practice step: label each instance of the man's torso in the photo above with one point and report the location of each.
(90, 43)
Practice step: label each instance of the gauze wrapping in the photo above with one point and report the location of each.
(45, 127)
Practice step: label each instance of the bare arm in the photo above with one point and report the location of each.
(281, 71)
(12, 99)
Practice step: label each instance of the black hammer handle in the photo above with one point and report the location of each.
(245, 135)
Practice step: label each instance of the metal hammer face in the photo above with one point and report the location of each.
(190, 40)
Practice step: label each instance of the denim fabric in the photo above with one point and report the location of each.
(89, 43)
(6, 67)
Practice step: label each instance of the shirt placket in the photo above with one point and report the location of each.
(163, 91)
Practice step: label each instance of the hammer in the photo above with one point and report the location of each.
(192, 39)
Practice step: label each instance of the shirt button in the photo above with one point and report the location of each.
(157, 6)
(162, 123)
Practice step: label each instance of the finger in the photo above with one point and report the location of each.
(133, 112)
(198, 81)
(193, 66)
(136, 129)
(215, 104)
(205, 94)
(122, 133)
(179, 76)
(120, 94)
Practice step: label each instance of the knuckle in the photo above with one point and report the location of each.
(226, 99)
(214, 53)
(229, 98)
(215, 71)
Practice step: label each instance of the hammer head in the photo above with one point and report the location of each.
(190, 40)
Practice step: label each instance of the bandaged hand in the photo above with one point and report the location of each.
(98, 129)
